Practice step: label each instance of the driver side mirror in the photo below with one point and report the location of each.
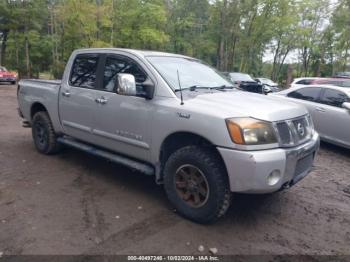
(126, 85)
(346, 105)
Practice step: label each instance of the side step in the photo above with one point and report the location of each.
(133, 164)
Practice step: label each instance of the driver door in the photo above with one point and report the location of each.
(123, 123)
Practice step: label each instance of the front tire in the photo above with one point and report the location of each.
(13, 82)
(44, 137)
(196, 183)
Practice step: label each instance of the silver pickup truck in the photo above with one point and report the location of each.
(176, 118)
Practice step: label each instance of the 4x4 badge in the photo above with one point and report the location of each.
(184, 115)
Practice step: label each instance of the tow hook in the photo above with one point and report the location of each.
(286, 185)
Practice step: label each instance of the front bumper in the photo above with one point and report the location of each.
(250, 171)
(7, 79)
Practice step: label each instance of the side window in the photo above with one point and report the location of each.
(309, 93)
(304, 82)
(334, 98)
(83, 72)
(116, 65)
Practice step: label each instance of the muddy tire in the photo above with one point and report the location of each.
(196, 183)
(44, 137)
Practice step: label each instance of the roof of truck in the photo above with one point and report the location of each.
(142, 53)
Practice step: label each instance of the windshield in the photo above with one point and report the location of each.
(241, 77)
(191, 72)
(2, 69)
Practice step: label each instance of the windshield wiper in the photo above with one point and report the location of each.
(192, 88)
(195, 87)
(222, 87)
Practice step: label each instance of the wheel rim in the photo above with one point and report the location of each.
(41, 134)
(191, 185)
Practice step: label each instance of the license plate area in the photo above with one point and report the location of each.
(304, 164)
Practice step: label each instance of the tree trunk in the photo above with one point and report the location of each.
(289, 75)
(231, 56)
(222, 38)
(51, 30)
(17, 52)
(113, 22)
(98, 19)
(281, 63)
(273, 73)
(28, 73)
(3, 46)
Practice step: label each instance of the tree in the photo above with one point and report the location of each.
(233, 35)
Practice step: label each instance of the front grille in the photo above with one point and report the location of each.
(295, 131)
(285, 133)
(302, 129)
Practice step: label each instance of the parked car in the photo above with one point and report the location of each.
(245, 82)
(6, 76)
(342, 75)
(298, 82)
(268, 85)
(329, 107)
(176, 118)
(342, 82)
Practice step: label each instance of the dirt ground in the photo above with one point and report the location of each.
(74, 203)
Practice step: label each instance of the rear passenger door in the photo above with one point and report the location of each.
(334, 120)
(77, 97)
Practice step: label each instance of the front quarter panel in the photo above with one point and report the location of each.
(170, 117)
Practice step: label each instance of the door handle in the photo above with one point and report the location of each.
(66, 93)
(320, 109)
(103, 100)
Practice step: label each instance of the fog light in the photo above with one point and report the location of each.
(274, 177)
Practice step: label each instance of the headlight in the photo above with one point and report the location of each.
(250, 131)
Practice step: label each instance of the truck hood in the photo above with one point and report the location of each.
(244, 104)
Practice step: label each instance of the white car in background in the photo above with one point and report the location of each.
(298, 82)
(329, 107)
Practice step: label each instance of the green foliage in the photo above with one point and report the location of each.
(39, 35)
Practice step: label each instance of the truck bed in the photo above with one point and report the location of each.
(45, 92)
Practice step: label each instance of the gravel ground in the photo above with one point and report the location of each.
(74, 203)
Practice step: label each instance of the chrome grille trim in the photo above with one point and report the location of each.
(294, 132)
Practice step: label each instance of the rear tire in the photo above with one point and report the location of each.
(196, 183)
(44, 137)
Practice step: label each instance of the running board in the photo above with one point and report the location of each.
(133, 164)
